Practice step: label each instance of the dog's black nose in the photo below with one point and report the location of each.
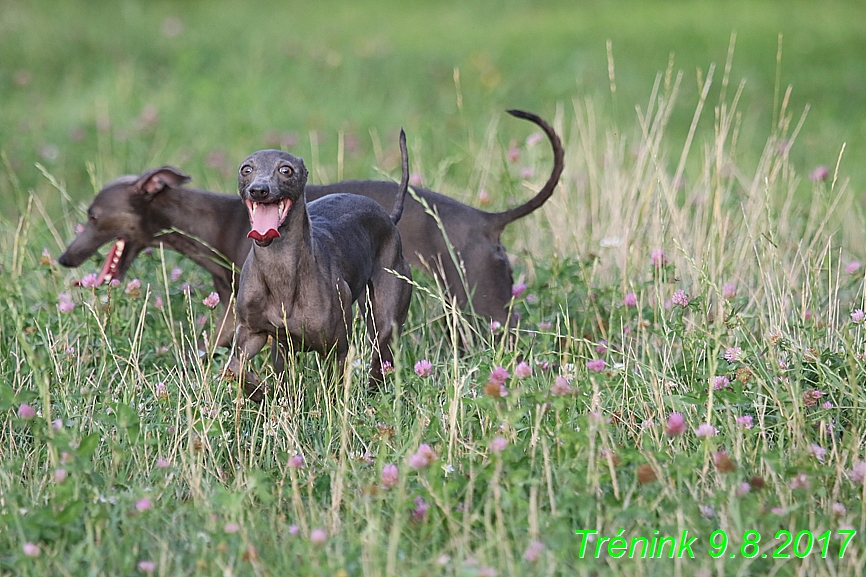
(258, 191)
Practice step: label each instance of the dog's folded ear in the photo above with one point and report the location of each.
(155, 181)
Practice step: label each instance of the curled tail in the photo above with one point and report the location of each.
(508, 216)
(397, 211)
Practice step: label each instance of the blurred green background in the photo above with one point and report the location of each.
(126, 85)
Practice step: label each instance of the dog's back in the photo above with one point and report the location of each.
(356, 231)
(473, 235)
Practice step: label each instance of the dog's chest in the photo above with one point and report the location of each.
(278, 298)
(313, 318)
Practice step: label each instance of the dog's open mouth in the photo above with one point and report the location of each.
(266, 219)
(109, 269)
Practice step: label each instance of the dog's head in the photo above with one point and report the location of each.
(271, 183)
(119, 213)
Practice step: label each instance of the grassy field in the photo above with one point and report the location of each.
(199, 85)
(692, 341)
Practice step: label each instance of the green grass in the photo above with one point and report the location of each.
(234, 75)
(164, 462)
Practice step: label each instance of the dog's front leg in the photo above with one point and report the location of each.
(281, 349)
(226, 328)
(224, 283)
(341, 352)
(278, 359)
(247, 344)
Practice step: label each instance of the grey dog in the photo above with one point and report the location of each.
(310, 262)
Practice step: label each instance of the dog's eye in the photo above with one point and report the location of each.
(91, 217)
(287, 170)
(246, 169)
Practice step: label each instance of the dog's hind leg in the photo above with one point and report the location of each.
(389, 300)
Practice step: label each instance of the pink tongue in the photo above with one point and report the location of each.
(265, 222)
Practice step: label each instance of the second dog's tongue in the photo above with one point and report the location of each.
(265, 221)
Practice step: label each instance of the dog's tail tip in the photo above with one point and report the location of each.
(404, 160)
(519, 113)
(397, 211)
(404, 154)
(503, 218)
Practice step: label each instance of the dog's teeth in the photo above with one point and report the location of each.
(118, 252)
(255, 206)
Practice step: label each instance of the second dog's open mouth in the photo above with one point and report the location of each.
(112, 261)
(266, 219)
(109, 269)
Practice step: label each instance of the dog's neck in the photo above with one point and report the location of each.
(192, 221)
(190, 210)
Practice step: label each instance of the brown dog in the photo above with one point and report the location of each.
(146, 210)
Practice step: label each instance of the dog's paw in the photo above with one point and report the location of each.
(375, 384)
(256, 392)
